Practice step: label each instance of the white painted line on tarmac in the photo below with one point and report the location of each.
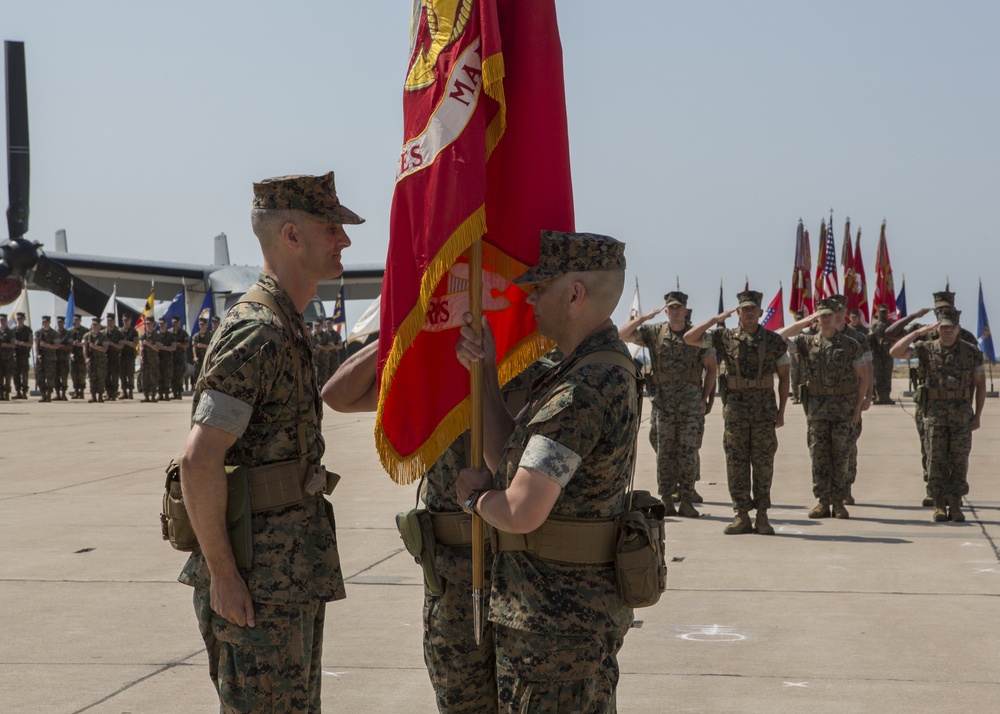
(711, 633)
(333, 674)
(795, 684)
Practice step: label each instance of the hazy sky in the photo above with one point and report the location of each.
(700, 131)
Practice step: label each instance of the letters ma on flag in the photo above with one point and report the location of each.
(485, 155)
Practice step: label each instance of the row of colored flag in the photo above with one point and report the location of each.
(806, 293)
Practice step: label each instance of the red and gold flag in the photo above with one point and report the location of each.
(850, 277)
(802, 294)
(862, 282)
(885, 291)
(485, 155)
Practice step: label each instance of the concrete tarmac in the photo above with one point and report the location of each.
(885, 612)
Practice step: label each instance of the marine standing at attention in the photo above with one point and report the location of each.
(77, 361)
(47, 340)
(256, 404)
(23, 341)
(753, 356)
(680, 386)
(558, 619)
(130, 341)
(6, 357)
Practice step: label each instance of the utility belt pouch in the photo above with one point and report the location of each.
(723, 387)
(417, 533)
(640, 559)
(176, 525)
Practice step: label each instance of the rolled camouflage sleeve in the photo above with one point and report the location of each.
(550, 458)
(563, 432)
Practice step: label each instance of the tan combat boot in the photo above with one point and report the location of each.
(668, 506)
(820, 510)
(839, 511)
(940, 512)
(955, 509)
(686, 510)
(761, 524)
(927, 502)
(741, 524)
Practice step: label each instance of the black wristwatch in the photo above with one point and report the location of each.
(473, 498)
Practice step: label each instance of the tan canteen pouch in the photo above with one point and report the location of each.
(417, 534)
(640, 560)
(176, 525)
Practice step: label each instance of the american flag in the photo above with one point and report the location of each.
(826, 272)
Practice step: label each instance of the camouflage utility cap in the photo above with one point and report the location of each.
(749, 298)
(572, 252)
(948, 315)
(840, 301)
(944, 298)
(827, 306)
(315, 195)
(675, 298)
(883, 308)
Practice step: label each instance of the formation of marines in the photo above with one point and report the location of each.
(70, 361)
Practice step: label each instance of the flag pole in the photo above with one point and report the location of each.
(476, 460)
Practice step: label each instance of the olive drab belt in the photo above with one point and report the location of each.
(452, 528)
(690, 376)
(840, 390)
(564, 540)
(938, 394)
(286, 483)
(734, 381)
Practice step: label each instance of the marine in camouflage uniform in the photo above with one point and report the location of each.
(856, 427)
(114, 354)
(6, 357)
(77, 360)
(681, 383)
(265, 642)
(95, 346)
(882, 361)
(23, 340)
(320, 352)
(336, 344)
(62, 358)
(199, 344)
(906, 325)
(836, 384)
(182, 345)
(955, 380)
(130, 341)
(558, 627)
(753, 356)
(166, 341)
(47, 340)
(149, 353)
(796, 374)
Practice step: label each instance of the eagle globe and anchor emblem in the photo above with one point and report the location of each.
(446, 20)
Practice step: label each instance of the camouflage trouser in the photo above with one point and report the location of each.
(6, 371)
(97, 373)
(78, 371)
(750, 444)
(114, 372)
(21, 365)
(556, 674)
(150, 377)
(948, 448)
(796, 377)
(462, 673)
(275, 666)
(676, 437)
(45, 371)
(62, 371)
(882, 365)
(830, 447)
(918, 417)
(852, 458)
(177, 375)
(127, 370)
(166, 374)
(334, 362)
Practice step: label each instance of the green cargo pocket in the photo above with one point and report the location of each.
(251, 660)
